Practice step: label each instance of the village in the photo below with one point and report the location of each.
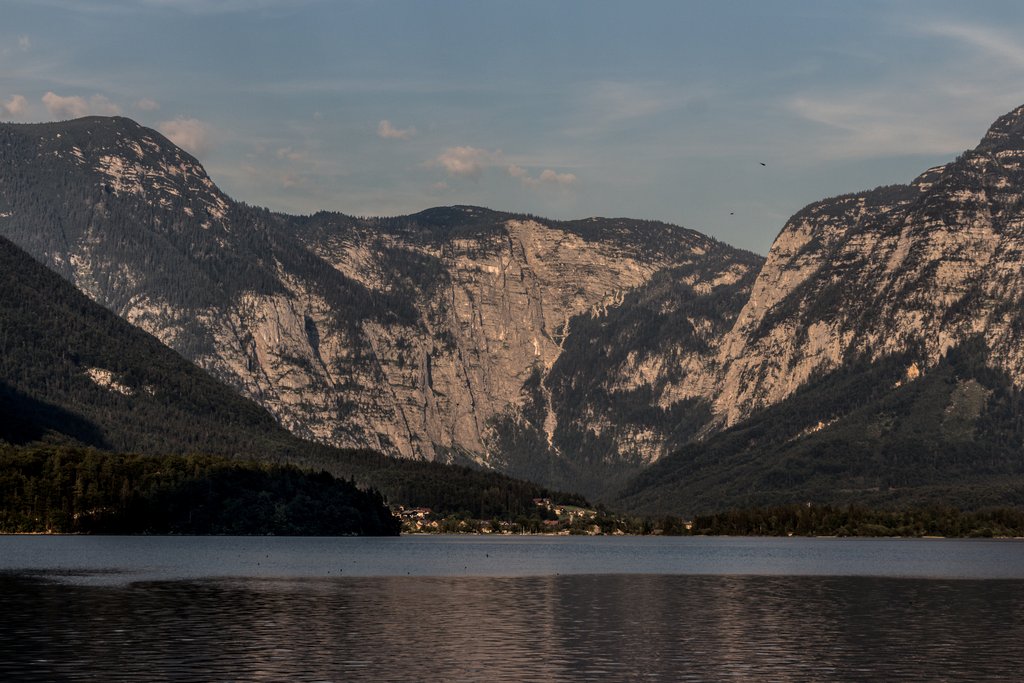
(548, 518)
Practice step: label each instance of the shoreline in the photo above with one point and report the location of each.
(415, 534)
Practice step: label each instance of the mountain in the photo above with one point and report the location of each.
(924, 266)
(879, 355)
(72, 372)
(876, 354)
(869, 433)
(74, 375)
(457, 333)
(634, 381)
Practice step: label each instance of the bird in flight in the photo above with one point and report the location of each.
(763, 164)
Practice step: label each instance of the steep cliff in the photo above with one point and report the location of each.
(880, 356)
(73, 374)
(423, 336)
(574, 353)
(921, 267)
(634, 381)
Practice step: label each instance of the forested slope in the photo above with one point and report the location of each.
(73, 373)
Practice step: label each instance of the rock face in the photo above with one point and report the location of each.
(879, 358)
(573, 353)
(921, 267)
(423, 336)
(633, 382)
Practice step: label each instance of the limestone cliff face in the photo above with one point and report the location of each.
(633, 382)
(921, 267)
(492, 306)
(568, 352)
(415, 335)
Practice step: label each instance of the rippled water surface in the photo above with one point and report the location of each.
(470, 608)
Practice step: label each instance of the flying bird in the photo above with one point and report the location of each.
(763, 164)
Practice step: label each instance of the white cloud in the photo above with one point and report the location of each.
(552, 177)
(73, 107)
(470, 162)
(388, 132)
(440, 186)
(517, 171)
(466, 162)
(16, 107)
(547, 177)
(147, 104)
(65, 107)
(191, 134)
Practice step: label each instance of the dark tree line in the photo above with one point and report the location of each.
(75, 490)
(827, 520)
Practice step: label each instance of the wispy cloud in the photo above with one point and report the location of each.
(73, 107)
(388, 132)
(935, 110)
(196, 7)
(291, 154)
(203, 7)
(298, 166)
(355, 84)
(605, 106)
(147, 104)
(622, 101)
(192, 135)
(867, 124)
(990, 42)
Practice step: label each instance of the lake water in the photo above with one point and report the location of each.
(428, 608)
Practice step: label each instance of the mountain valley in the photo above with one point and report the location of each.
(874, 354)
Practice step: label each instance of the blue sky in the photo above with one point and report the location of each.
(655, 110)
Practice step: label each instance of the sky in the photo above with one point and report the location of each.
(564, 109)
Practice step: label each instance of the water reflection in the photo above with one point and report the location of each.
(611, 627)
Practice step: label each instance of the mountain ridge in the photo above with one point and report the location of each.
(411, 335)
(919, 286)
(925, 255)
(74, 377)
(573, 352)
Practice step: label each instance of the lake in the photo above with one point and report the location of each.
(434, 608)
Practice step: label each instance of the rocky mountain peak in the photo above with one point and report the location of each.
(557, 350)
(1007, 133)
(413, 335)
(123, 158)
(918, 268)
